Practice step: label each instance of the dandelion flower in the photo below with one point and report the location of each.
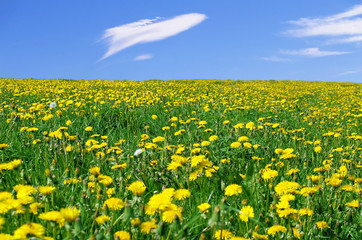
(223, 234)
(318, 149)
(171, 213)
(54, 216)
(158, 139)
(137, 188)
(113, 204)
(89, 129)
(213, 138)
(102, 219)
(322, 225)
(353, 203)
(269, 174)
(70, 214)
(182, 194)
(122, 235)
(147, 227)
(276, 229)
(46, 190)
(204, 207)
(245, 213)
(235, 145)
(34, 229)
(233, 189)
(136, 221)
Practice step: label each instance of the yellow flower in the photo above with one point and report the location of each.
(147, 227)
(2, 221)
(243, 139)
(154, 117)
(173, 119)
(158, 139)
(247, 145)
(46, 190)
(245, 213)
(292, 171)
(296, 233)
(353, 203)
(136, 221)
(205, 143)
(4, 145)
(69, 148)
(286, 187)
(137, 188)
(102, 219)
(235, 145)
(260, 236)
(276, 229)
(171, 212)
(182, 194)
(122, 235)
(95, 171)
(305, 212)
(34, 208)
(233, 189)
(334, 182)
(223, 234)
(204, 207)
(54, 216)
(322, 224)
(89, 129)
(213, 138)
(318, 149)
(34, 229)
(226, 122)
(173, 165)
(70, 214)
(105, 180)
(113, 204)
(68, 123)
(269, 174)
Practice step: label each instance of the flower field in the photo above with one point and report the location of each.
(164, 160)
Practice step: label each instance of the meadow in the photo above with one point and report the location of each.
(185, 159)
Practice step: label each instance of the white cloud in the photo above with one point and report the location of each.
(143, 57)
(345, 23)
(313, 52)
(274, 59)
(347, 40)
(148, 30)
(347, 73)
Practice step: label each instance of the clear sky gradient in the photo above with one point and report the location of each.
(314, 40)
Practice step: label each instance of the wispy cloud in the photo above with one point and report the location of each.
(348, 23)
(143, 57)
(347, 73)
(148, 30)
(274, 59)
(313, 52)
(346, 40)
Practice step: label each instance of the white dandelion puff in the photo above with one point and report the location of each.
(138, 152)
(53, 104)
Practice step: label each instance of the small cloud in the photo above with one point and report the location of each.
(346, 40)
(143, 57)
(345, 23)
(347, 73)
(313, 52)
(148, 30)
(274, 59)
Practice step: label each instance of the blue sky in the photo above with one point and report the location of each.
(313, 40)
